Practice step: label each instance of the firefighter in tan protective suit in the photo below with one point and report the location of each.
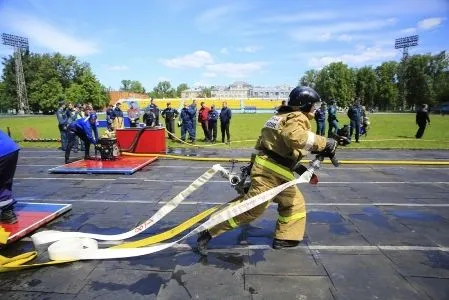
(285, 139)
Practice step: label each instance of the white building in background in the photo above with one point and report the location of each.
(242, 90)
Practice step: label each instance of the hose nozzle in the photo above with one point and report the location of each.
(234, 179)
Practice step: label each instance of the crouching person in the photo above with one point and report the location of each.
(9, 153)
(83, 129)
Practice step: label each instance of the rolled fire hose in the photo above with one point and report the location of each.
(77, 246)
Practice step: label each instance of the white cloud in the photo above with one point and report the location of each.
(367, 55)
(300, 17)
(209, 75)
(117, 68)
(235, 70)
(196, 59)
(44, 34)
(338, 30)
(224, 51)
(249, 49)
(429, 23)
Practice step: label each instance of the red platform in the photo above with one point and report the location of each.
(32, 216)
(151, 140)
(122, 165)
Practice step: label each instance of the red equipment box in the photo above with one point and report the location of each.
(141, 140)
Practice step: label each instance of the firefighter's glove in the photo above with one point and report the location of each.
(329, 150)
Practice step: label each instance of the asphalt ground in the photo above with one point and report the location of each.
(373, 232)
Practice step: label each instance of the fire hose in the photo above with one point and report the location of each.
(74, 246)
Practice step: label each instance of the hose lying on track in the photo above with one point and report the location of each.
(73, 246)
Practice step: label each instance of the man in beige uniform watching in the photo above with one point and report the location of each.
(285, 139)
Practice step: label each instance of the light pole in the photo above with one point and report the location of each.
(19, 44)
(404, 43)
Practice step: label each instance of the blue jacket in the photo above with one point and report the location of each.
(7, 145)
(213, 115)
(332, 113)
(187, 115)
(354, 113)
(110, 116)
(320, 115)
(83, 125)
(118, 112)
(225, 115)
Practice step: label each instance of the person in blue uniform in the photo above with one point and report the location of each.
(320, 118)
(82, 128)
(212, 123)
(9, 154)
(332, 119)
(225, 121)
(188, 120)
(155, 109)
(354, 115)
(110, 117)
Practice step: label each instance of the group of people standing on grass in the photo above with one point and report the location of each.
(207, 117)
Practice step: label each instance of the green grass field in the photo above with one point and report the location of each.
(394, 131)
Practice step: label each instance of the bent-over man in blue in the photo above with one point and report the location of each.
(83, 129)
(9, 154)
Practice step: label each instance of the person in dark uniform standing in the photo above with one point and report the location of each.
(212, 123)
(155, 109)
(110, 117)
(320, 118)
(422, 118)
(187, 114)
(332, 119)
(170, 114)
(225, 121)
(83, 129)
(9, 154)
(354, 115)
(61, 115)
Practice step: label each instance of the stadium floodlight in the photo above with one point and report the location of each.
(19, 43)
(15, 41)
(405, 43)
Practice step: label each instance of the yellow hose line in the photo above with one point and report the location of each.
(348, 162)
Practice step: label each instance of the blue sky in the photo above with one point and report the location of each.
(217, 42)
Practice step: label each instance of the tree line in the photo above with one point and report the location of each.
(50, 78)
(390, 86)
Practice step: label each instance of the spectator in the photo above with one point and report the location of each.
(212, 123)
(203, 116)
(170, 114)
(61, 115)
(332, 119)
(133, 114)
(225, 120)
(110, 117)
(155, 109)
(354, 114)
(193, 110)
(422, 118)
(187, 123)
(320, 118)
(118, 116)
